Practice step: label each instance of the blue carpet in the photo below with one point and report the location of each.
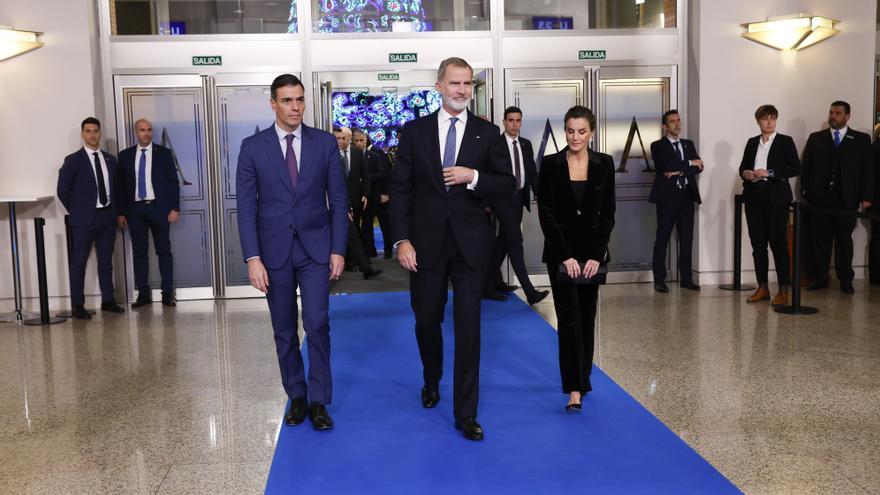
(385, 442)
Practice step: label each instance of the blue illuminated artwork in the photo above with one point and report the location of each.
(539, 22)
(366, 16)
(381, 115)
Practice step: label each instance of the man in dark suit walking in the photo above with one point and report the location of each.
(874, 247)
(358, 183)
(86, 185)
(378, 174)
(838, 174)
(676, 164)
(517, 159)
(293, 226)
(384, 201)
(149, 203)
(439, 184)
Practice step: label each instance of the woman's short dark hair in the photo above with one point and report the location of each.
(766, 111)
(89, 120)
(285, 80)
(580, 112)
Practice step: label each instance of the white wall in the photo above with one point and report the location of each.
(43, 95)
(735, 76)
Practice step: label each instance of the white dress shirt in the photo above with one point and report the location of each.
(842, 132)
(103, 166)
(763, 152)
(151, 194)
(297, 143)
(522, 167)
(443, 126)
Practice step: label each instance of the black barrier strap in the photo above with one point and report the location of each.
(840, 212)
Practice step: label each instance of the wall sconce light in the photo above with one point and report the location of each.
(14, 42)
(791, 32)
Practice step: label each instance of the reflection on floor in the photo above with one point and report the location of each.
(188, 400)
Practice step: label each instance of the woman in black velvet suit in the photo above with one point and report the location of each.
(576, 210)
(769, 160)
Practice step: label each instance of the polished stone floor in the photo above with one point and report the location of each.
(189, 400)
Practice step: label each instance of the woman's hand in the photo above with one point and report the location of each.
(591, 268)
(572, 267)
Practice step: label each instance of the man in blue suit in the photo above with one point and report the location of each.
(676, 164)
(86, 183)
(149, 202)
(293, 224)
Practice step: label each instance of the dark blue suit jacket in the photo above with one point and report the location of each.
(78, 186)
(166, 186)
(271, 213)
(667, 159)
(420, 203)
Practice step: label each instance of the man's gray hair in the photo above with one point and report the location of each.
(455, 61)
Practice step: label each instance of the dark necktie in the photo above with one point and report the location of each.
(449, 147)
(142, 176)
(677, 145)
(516, 165)
(347, 164)
(836, 138)
(99, 174)
(290, 159)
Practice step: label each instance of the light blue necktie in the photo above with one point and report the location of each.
(449, 148)
(142, 176)
(836, 138)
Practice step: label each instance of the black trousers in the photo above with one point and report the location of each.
(767, 224)
(829, 231)
(102, 234)
(575, 306)
(366, 228)
(356, 255)
(385, 226)
(508, 243)
(428, 296)
(679, 214)
(145, 219)
(874, 249)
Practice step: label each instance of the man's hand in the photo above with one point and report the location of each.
(865, 205)
(749, 175)
(121, 222)
(364, 202)
(384, 198)
(591, 268)
(671, 174)
(697, 163)
(406, 255)
(337, 264)
(761, 174)
(173, 216)
(257, 275)
(457, 175)
(572, 267)
(350, 215)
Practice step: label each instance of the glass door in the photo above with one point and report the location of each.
(176, 107)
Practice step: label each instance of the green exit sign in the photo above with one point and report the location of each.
(403, 57)
(591, 55)
(392, 76)
(208, 60)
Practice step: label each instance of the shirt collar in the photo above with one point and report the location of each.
(148, 147)
(510, 139)
(842, 131)
(769, 141)
(89, 150)
(282, 134)
(443, 116)
(673, 141)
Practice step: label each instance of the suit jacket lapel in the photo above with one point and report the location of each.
(308, 157)
(276, 157)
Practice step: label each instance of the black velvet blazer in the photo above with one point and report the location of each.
(572, 230)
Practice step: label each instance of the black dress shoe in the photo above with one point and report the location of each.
(494, 296)
(169, 301)
(141, 302)
(319, 417)
(661, 287)
(430, 398)
(80, 313)
(689, 285)
(112, 307)
(469, 428)
(818, 284)
(296, 413)
(371, 272)
(573, 408)
(847, 288)
(537, 296)
(506, 288)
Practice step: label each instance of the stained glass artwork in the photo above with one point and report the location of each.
(370, 16)
(381, 115)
